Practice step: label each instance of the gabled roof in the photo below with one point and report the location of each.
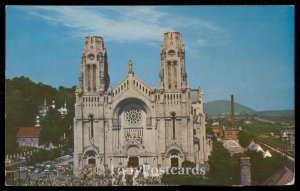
(282, 177)
(259, 149)
(29, 132)
(252, 146)
(267, 154)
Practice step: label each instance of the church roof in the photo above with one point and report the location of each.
(233, 146)
(144, 83)
(281, 177)
(29, 132)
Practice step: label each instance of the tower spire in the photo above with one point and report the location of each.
(94, 67)
(172, 67)
(232, 113)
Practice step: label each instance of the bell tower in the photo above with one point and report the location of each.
(94, 76)
(172, 63)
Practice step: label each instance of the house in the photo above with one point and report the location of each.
(28, 136)
(233, 146)
(267, 154)
(252, 146)
(284, 176)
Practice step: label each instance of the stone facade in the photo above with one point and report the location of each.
(135, 123)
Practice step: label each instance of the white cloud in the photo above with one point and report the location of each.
(118, 23)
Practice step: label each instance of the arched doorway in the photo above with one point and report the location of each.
(90, 157)
(133, 159)
(133, 162)
(174, 161)
(174, 158)
(92, 161)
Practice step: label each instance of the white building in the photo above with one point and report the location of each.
(134, 123)
(63, 110)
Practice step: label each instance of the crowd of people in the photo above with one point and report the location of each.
(88, 177)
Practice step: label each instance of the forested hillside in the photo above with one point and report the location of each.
(22, 98)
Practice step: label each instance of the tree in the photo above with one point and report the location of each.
(22, 98)
(224, 169)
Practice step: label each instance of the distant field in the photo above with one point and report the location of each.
(278, 119)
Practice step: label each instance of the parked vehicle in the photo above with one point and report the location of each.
(47, 172)
(47, 166)
(23, 168)
(37, 170)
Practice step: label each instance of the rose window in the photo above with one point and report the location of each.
(133, 116)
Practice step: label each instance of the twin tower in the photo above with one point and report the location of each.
(135, 124)
(94, 78)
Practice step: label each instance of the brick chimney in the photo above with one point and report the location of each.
(233, 125)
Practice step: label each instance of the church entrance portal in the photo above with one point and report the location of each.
(174, 162)
(133, 162)
(92, 161)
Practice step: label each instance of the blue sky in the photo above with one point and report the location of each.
(247, 51)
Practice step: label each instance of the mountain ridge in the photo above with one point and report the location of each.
(218, 107)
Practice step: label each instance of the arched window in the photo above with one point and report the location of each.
(173, 117)
(99, 57)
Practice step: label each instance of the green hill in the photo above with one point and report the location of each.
(223, 106)
(22, 100)
(289, 113)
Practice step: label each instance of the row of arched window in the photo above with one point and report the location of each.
(136, 84)
(141, 87)
(88, 99)
(120, 88)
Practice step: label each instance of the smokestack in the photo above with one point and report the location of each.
(232, 113)
(245, 171)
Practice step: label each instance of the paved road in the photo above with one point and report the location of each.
(64, 162)
(275, 149)
(264, 120)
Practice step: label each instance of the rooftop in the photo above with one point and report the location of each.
(282, 177)
(29, 132)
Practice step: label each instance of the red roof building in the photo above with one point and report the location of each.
(28, 136)
(282, 177)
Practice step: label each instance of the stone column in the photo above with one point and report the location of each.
(245, 171)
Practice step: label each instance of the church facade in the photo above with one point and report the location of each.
(134, 123)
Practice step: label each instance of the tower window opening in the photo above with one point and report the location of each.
(173, 117)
